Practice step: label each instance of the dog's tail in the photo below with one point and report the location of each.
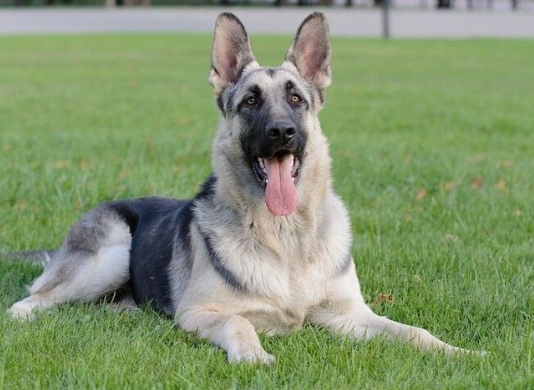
(39, 258)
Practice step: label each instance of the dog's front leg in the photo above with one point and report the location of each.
(363, 324)
(345, 312)
(233, 333)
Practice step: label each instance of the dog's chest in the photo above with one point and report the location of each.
(283, 271)
(282, 298)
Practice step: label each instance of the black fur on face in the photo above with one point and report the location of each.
(272, 124)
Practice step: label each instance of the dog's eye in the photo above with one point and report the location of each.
(295, 98)
(251, 101)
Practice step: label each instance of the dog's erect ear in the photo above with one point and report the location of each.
(311, 52)
(231, 52)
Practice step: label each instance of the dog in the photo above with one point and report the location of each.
(264, 245)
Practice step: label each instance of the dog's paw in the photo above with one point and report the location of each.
(21, 311)
(456, 351)
(475, 353)
(247, 355)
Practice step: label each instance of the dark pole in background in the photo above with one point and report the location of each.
(385, 18)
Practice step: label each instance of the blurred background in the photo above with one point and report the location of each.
(351, 18)
(354, 18)
(408, 4)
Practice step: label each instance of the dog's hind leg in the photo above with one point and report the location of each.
(93, 261)
(345, 312)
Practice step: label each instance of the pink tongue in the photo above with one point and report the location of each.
(280, 194)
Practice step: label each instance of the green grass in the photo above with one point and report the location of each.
(432, 144)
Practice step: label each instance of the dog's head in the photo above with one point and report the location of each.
(270, 114)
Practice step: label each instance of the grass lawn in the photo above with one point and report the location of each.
(433, 150)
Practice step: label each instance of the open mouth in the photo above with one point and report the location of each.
(260, 166)
(277, 175)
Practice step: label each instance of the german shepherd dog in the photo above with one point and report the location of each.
(263, 246)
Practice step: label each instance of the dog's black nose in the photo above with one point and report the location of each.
(281, 131)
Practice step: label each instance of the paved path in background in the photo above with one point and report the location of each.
(344, 22)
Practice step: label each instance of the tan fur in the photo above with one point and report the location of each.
(291, 268)
(289, 264)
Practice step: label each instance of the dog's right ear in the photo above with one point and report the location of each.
(231, 52)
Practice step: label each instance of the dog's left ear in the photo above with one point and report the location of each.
(311, 51)
(231, 52)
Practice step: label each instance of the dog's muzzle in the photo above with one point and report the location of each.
(278, 169)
